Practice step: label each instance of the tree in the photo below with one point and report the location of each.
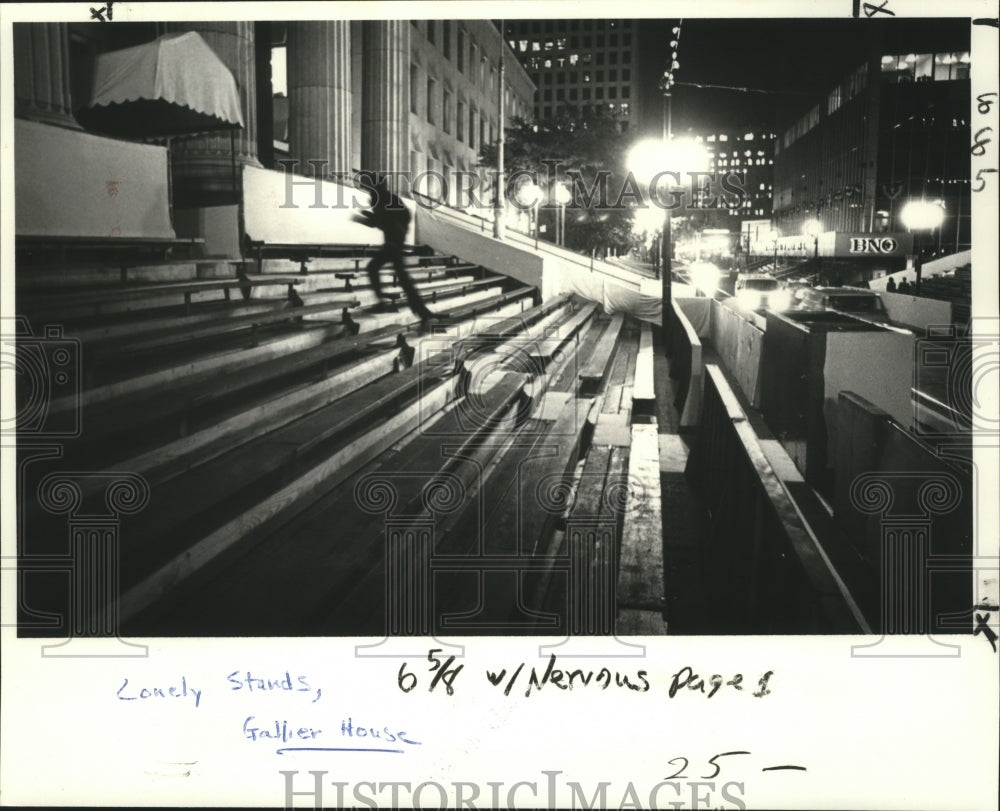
(585, 152)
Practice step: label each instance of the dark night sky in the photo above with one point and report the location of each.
(793, 59)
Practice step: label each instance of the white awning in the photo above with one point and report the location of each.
(175, 85)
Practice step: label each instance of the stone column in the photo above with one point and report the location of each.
(385, 136)
(202, 168)
(41, 73)
(319, 94)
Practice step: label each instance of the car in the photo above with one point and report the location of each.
(757, 291)
(866, 304)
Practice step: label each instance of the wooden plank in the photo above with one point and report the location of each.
(120, 408)
(184, 498)
(173, 458)
(640, 578)
(523, 343)
(222, 326)
(545, 348)
(431, 454)
(506, 327)
(598, 364)
(462, 312)
(642, 388)
(613, 429)
(138, 290)
(275, 510)
(520, 523)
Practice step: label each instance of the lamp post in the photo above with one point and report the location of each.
(562, 196)
(813, 228)
(655, 160)
(921, 216)
(498, 202)
(774, 239)
(530, 195)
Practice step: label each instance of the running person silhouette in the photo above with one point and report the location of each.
(392, 218)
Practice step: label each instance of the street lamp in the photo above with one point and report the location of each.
(773, 235)
(530, 195)
(813, 228)
(651, 162)
(562, 196)
(921, 216)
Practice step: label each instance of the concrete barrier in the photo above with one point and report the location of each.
(739, 343)
(446, 230)
(758, 552)
(907, 513)
(916, 312)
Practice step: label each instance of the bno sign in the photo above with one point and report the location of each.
(880, 245)
(872, 246)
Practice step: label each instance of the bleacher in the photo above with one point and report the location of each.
(253, 408)
(954, 287)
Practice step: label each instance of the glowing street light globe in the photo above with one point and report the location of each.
(529, 195)
(774, 236)
(562, 194)
(922, 215)
(812, 228)
(654, 155)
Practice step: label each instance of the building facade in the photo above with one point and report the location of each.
(894, 129)
(749, 153)
(580, 66)
(334, 96)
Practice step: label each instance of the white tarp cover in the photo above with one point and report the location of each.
(289, 209)
(179, 73)
(74, 184)
(641, 301)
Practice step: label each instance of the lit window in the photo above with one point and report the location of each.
(748, 136)
(723, 137)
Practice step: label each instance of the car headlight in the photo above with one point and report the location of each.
(780, 300)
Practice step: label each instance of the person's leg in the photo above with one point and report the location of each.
(375, 265)
(412, 294)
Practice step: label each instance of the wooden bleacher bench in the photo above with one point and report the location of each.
(174, 403)
(103, 297)
(461, 312)
(64, 245)
(358, 577)
(463, 288)
(186, 333)
(452, 270)
(595, 368)
(303, 253)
